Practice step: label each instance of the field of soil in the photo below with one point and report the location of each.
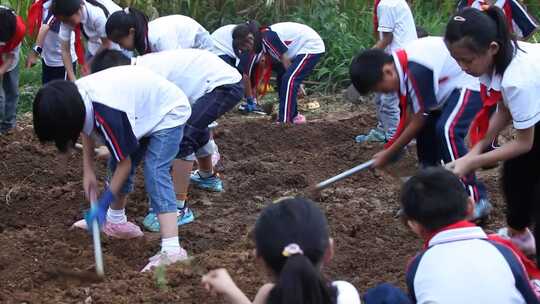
(41, 196)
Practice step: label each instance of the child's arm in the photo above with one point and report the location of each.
(500, 120)
(262, 294)
(8, 61)
(220, 282)
(89, 175)
(67, 59)
(33, 55)
(385, 41)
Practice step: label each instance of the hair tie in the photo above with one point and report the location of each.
(460, 19)
(126, 10)
(292, 249)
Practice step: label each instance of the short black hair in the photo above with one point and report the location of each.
(421, 32)
(59, 114)
(65, 8)
(108, 59)
(435, 198)
(366, 69)
(8, 24)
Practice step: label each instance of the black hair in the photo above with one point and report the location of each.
(8, 24)
(120, 22)
(366, 69)
(108, 59)
(477, 29)
(435, 198)
(66, 8)
(421, 32)
(295, 221)
(59, 114)
(241, 31)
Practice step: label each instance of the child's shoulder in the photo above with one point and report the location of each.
(346, 293)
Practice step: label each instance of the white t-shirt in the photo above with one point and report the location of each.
(520, 86)
(52, 50)
(223, 41)
(196, 72)
(127, 103)
(296, 37)
(347, 293)
(93, 20)
(433, 74)
(395, 17)
(177, 32)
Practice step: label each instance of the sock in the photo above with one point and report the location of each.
(170, 245)
(116, 216)
(180, 204)
(205, 174)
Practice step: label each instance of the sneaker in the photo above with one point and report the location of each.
(374, 135)
(299, 119)
(185, 216)
(251, 108)
(482, 209)
(165, 259)
(212, 183)
(525, 241)
(125, 231)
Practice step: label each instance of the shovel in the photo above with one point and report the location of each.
(98, 253)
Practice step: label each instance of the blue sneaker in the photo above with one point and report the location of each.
(374, 135)
(185, 216)
(212, 183)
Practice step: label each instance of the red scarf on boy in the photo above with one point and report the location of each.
(480, 124)
(404, 63)
(20, 31)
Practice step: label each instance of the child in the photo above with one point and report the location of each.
(394, 23)
(481, 43)
(519, 21)
(48, 44)
(139, 115)
(459, 262)
(299, 247)
(443, 98)
(213, 88)
(298, 48)
(132, 31)
(12, 31)
(86, 17)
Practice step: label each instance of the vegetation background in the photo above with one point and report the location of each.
(345, 25)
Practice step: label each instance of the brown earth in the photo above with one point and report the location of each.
(41, 196)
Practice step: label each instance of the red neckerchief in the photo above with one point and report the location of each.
(20, 31)
(35, 17)
(457, 225)
(376, 19)
(404, 63)
(79, 46)
(480, 124)
(263, 72)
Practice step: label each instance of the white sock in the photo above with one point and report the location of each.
(180, 204)
(116, 216)
(170, 245)
(205, 174)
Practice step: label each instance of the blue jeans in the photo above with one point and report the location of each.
(9, 97)
(158, 150)
(387, 113)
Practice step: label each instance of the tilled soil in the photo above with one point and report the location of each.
(41, 196)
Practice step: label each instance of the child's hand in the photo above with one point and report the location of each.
(90, 185)
(99, 210)
(381, 159)
(219, 282)
(461, 166)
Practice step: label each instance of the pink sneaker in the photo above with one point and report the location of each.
(525, 241)
(164, 259)
(299, 119)
(127, 230)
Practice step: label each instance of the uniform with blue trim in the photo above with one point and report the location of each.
(304, 48)
(177, 32)
(433, 84)
(523, 24)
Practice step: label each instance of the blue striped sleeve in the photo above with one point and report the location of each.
(273, 44)
(525, 22)
(422, 88)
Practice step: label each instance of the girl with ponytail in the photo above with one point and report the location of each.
(293, 242)
(83, 17)
(483, 45)
(131, 29)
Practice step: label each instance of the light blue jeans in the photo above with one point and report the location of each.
(9, 97)
(387, 113)
(159, 151)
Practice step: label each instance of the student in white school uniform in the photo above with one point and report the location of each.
(48, 44)
(481, 43)
(131, 29)
(293, 257)
(213, 88)
(394, 26)
(443, 98)
(519, 21)
(83, 17)
(140, 116)
(296, 49)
